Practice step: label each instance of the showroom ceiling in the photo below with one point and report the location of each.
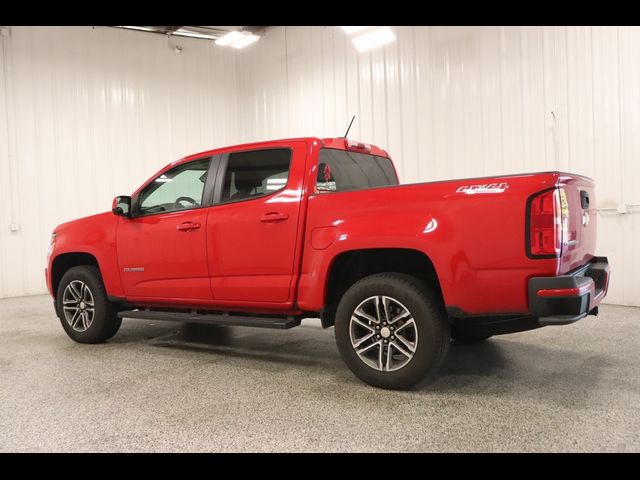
(204, 32)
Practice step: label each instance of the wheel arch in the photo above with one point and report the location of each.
(65, 261)
(348, 267)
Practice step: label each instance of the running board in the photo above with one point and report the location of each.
(213, 319)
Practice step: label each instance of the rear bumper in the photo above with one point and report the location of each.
(568, 298)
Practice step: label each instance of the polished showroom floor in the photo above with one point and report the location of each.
(172, 387)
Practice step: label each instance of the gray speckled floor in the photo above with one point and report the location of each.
(174, 387)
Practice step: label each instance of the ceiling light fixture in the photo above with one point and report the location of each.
(142, 29)
(181, 32)
(376, 38)
(352, 30)
(246, 40)
(237, 39)
(229, 38)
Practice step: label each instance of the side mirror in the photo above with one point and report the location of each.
(122, 206)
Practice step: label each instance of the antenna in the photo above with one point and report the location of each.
(347, 132)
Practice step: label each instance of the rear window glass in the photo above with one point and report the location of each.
(343, 171)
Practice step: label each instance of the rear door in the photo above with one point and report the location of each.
(578, 208)
(252, 229)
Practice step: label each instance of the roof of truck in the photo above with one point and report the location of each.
(337, 142)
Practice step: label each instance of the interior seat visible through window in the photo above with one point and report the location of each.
(255, 173)
(246, 183)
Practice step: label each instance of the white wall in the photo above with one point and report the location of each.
(450, 102)
(86, 114)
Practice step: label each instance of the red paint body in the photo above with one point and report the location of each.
(273, 254)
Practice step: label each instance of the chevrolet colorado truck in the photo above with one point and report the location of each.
(266, 234)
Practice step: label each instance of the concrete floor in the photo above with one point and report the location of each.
(174, 387)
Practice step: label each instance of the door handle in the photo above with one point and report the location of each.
(188, 226)
(273, 217)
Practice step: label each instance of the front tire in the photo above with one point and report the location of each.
(391, 330)
(83, 307)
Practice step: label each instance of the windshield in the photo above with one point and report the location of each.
(343, 171)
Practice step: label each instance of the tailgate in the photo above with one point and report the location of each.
(578, 206)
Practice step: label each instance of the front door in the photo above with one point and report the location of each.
(252, 230)
(162, 250)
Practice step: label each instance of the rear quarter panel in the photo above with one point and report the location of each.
(476, 241)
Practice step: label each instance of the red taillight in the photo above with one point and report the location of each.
(545, 234)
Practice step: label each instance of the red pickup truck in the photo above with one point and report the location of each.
(266, 234)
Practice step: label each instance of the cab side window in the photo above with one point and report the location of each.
(255, 174)
(180, 188)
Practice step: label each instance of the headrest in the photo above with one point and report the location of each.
(246, 179)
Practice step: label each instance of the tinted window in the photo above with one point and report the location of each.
(255, 174)
(341, 171)
(178, 189)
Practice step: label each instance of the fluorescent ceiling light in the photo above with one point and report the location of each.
(246, 40)
(229, 38)
(376, 38)
(352, 30)
(181, 32)
(143, 29)
(237, 39)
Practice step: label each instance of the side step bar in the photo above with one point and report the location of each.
(213, 319)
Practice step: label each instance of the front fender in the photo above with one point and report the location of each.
(96, 236)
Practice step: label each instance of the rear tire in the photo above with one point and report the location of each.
(369, 319)
(85, 312)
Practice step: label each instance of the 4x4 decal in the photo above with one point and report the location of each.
(485, 188)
